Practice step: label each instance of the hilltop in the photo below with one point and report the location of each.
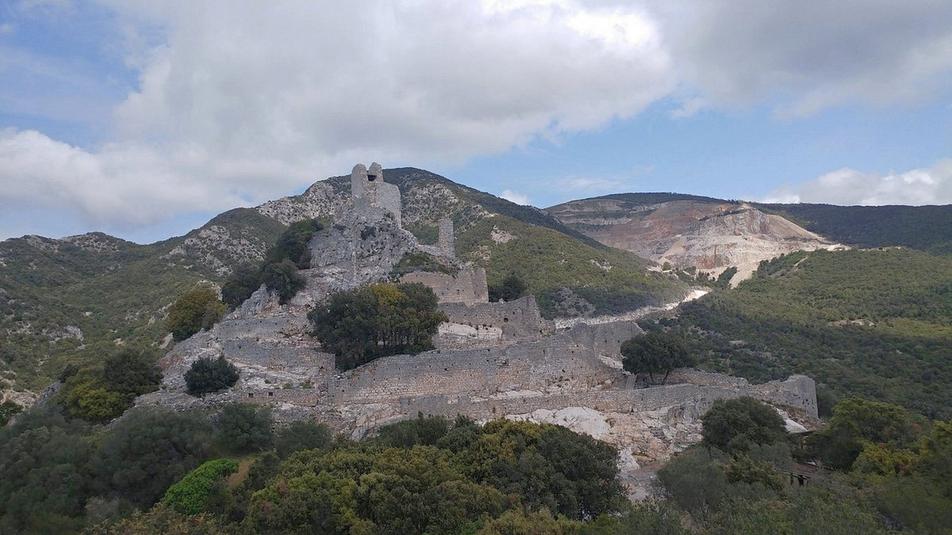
(72, 300)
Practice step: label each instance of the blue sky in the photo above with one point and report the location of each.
(145, 119)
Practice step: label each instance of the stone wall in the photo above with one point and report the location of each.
(468, 285)
(519, 319)
(447, 238)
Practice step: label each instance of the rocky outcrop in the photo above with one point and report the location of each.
(707, 235)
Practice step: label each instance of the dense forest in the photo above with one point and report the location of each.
(237, 471)
(873, 323)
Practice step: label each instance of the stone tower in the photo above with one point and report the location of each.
(369, 191)
(447, 238)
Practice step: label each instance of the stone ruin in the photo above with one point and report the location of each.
(492, 360)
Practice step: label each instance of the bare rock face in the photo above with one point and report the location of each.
(322, 199)
(710, 236)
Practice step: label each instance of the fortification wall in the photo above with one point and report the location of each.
(519, 319)
(467, 286)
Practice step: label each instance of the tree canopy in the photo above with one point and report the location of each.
(655, 352)
(734, 425)
(377, 320)
(197, 309)
(207, 375)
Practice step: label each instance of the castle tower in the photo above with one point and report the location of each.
(447, 238)
(369, 191)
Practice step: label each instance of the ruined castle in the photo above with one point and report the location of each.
(492, 360)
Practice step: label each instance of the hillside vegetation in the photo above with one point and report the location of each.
(566, 276)
(874, 323)
(927, 228)
(74, 301)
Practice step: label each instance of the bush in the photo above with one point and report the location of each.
(292, 244)
(376, 320)
(147, 450)
(509, 289)
(655, 352)
(244, 428)
(857, 422)
(302, 436)
(734, 425)
(207, 375)
(283, 279)
(8, 410)
(131, 373)
(197, 309)
(190, 495)
(239, 286)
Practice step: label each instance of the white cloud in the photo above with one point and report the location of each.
(241, 100)
(851, 187)
(247, 99)
(807, 56)
(515, 196)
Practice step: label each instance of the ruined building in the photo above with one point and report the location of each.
(493, 360)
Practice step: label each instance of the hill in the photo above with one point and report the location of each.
(927, 228)
(74, 300)
(873, 323)
(689, 233)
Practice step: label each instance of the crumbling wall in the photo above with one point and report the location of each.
(466, 286)
(519, 319)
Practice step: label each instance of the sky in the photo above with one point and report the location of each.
(145, 118)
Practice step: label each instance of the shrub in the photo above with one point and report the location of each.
(857, 422)
(302, 436)
(292, 244)
(208, 375)
(655, 352)
(244, 428)
(734, 425)
(239, 286)
(190, 495)
(131, 373)
(197, 309)
(283, 279)
(147, 450)
(376, 320)
(509, 289)
(8, 410)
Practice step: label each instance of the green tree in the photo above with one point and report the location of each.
(43, 472)
(243, 281)
(8, 410)
(376, 320)
(244, 428)
(858, 422)
(146, 451)
(298, 436)
(734, 425)
(292, 244)
(197, 309)
(283, 279)
(512, 287)
(655, 352)
(131, 373)
(207, 375)
(191, 494)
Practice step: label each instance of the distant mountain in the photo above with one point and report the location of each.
(73, 300)
(687, 232)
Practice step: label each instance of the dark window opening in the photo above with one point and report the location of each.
(251, 394)
(270, 394)
(371, 178)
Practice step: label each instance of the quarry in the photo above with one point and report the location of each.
(491, 359)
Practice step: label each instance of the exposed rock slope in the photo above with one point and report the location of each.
(689, 232)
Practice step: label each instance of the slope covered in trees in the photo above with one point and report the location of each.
(861, 322)
(927, 228)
